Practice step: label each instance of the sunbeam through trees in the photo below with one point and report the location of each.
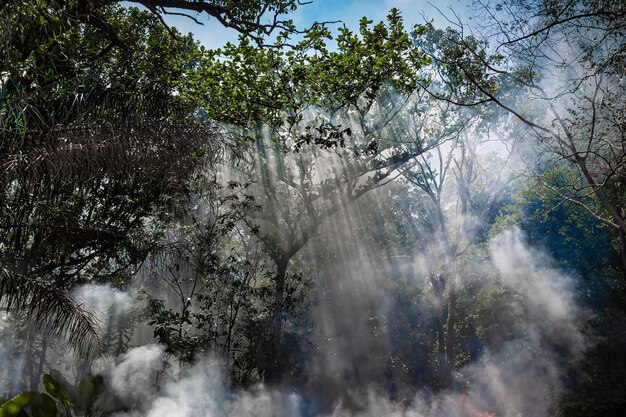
(421, 216)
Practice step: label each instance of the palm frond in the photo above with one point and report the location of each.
(51, 307)
(85, 152)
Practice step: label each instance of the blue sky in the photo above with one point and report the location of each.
(213, 35)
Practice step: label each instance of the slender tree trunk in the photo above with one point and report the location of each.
(44, 351)
(614, 210)
(621, 234)
(31, 360)
(441, 351)
(275, 365)
(438, 284)
(450, 339)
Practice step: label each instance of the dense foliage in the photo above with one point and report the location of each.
(328, 210)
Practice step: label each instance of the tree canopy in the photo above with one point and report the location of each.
(408, 219)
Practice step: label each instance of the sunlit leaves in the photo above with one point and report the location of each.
(57, 391)
(241, 84)
(41, 405)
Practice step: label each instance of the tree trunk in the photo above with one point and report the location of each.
(621, 234)
(31, 361)
(438, 284)
(450, 339)
(441, 351)
(273, 372)
(43, 353)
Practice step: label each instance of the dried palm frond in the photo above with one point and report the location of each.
(82, 153)
(51, 307)
(77, 195)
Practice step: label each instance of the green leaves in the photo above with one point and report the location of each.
(57, 391)
(51, 305)
(81, 397)
(89, 389)
(99, 127)
(242, 84)
(41, 405)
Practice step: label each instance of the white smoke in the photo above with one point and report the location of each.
(261, 402)
(133, 380)
(103, 301)
(522, 377)
(548, 293)
(11, 361)
(198, 391)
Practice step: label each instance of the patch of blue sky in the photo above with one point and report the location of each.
(213, 35)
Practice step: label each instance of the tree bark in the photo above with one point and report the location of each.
(31, 360)
(441, 351)
(274, 370)
(621, 234)
(438, 284)
(450, 339)
(42, 354)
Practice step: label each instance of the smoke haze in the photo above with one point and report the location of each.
(523, 376)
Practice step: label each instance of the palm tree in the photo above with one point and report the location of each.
(96, 151)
